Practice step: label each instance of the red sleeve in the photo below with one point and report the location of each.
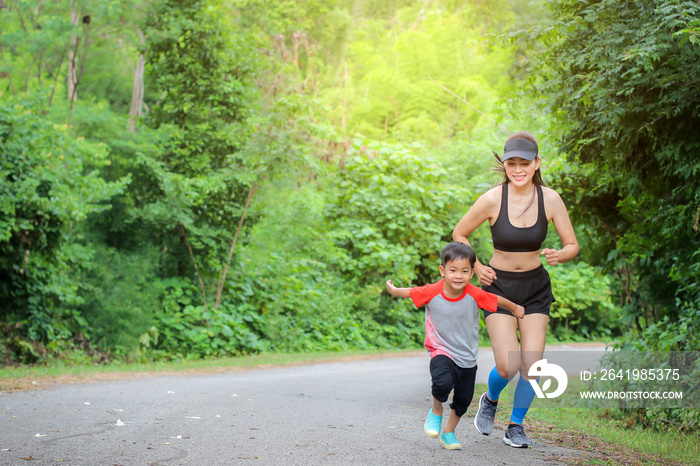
(485, 300)
(423, 294)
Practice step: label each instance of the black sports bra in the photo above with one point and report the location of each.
(508, 238)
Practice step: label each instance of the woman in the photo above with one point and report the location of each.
(518, 211)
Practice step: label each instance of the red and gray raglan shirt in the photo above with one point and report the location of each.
(452, 325)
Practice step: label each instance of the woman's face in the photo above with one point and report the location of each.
(521, 171)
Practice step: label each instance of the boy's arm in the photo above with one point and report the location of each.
(516, 309)
(398, 292)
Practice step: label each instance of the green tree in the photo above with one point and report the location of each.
(621, 80)
(388, 91)
(49, 185)
(392, 212)
(194, 72)
(78, 49)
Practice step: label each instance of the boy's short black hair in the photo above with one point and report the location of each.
(457, 250)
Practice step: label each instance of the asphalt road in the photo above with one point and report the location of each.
(362, 412)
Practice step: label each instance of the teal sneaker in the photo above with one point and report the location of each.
(449, 441)
(432, 424)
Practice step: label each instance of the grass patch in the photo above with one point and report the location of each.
(602, 440)
(610, 442)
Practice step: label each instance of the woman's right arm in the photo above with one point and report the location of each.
(483, 210)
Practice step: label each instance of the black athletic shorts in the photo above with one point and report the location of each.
(531, 289)
(447, 376)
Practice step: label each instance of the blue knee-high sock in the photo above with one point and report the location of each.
(496, 384)
(524, 394)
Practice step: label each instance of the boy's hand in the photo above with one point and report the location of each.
(519, 311)
(397, 292)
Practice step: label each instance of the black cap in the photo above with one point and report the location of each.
(520, 148)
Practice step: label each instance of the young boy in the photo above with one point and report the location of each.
(452, 334)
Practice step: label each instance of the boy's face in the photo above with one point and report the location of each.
(457, 275)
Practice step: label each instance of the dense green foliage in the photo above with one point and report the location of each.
(200, 179)
(381, 216)
(50, 183)
(621, 84)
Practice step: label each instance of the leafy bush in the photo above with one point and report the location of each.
(392, 213)
(119, 297)
(682, 369)
(302, 308)
(48, 186)
(183, 329)
(583, 309)
(305, 306)
(616, 81)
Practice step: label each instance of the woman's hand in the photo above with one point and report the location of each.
(552, 256)
(486, 275)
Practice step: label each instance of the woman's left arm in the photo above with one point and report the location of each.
(560, 217)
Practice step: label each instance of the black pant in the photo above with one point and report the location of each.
(446, 376)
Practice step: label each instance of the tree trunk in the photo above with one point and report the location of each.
(137, 92)
(72, 57)
(196, 269)
(222, 276)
